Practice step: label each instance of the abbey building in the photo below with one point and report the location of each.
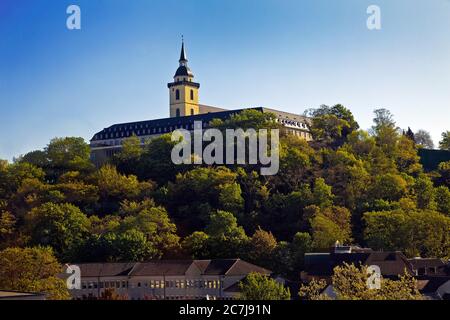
(184, 109)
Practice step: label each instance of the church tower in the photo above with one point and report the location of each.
(183, 90)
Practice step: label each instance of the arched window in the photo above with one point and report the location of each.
(192, 94)
(192, 112)
(177, 94)
(178, 112)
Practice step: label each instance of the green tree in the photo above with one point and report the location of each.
(350, 283)
(155, 163)
(61, 226)
(32, 270)
(415, 232)
(226, 237)
(332, 125)
(261, 248)
(313, 290)
(329, 225)
(301, 244)
(260, 287)
(389, 187)
(154, 222)
(322, 194)
(67, 154)
(385, 131)
(444, 144)
(128, 159)
(443, 199)
(200, 191)
(196, 245)
(425, 193)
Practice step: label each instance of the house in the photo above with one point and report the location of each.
(321, 265)
(184, 110)
(433, 275)
(166, 279)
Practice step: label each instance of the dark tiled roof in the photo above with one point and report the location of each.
(432, 284)
(426, 262)
(183, 71)
(219, 266)
(142, 128)
(170, 268)
(242, 267)
(105, 269)
(391, 264)
(183, 57)
(163, 267)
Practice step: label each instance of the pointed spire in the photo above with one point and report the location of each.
(183, 54)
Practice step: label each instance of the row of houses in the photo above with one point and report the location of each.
(433, 275)
(166, 279)
(219, 279)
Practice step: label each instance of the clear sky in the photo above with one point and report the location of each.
(285, 54)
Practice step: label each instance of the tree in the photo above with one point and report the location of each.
(260, 287)
(444, 173)
(415, 232)
(67, 154)
(226, 238)
(410, 134)
(7, 226)
(155, 162)
(423, 138)
(313, 290)
(132, 245)
(385, 131)
(196, 245)
(390, 187)
(155, 224)
(111, 294)
(12, 176)
(261, 247)
(332, 125)
(329, 225)
(444, 144)
(32, 270)
(322, 194)
(301, 244)
(425, 193)
(128, 159)
(350, 283)
(37, 158)
(442, 196)
(200, 191)
(61, 226)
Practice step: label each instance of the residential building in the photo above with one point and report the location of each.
(166, 279)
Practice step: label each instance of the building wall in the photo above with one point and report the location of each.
(191, 287)
(185, 104)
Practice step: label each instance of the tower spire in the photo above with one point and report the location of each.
(183, 58)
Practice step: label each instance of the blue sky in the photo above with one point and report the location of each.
(285, 54)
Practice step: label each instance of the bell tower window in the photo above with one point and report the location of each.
(192, 94)
(177, 94)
